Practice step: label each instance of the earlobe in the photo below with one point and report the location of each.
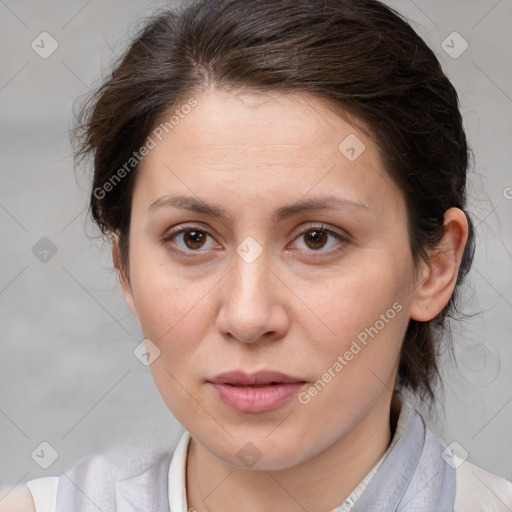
(123, 278)
(437, 282)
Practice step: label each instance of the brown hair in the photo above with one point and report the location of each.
(360, 55)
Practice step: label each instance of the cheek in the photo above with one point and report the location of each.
(366, 311)
(367, 318)
(171, 308)
(174, 314)
(360, 296)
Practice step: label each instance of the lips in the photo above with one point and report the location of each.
(255, 393)
(261, 378)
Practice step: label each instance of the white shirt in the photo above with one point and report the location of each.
(476, 490)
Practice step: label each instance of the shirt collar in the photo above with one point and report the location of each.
(177, 475)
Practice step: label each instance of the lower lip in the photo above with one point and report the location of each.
(256, 399)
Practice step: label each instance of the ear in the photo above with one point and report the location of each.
(124, 279)
(439, 276)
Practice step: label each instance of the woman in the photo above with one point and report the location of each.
(284, 183)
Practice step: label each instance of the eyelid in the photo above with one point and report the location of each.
(343, 239)
(169, 235)
(323, 227)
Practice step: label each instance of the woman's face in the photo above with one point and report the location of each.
(322, 294)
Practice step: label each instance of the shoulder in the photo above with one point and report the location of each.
(36, 495)
(123, 468)
(479, 490)
(131, 480)
(120, 462)
(18, 499)
(123, 462)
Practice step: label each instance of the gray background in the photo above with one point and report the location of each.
(67, 372)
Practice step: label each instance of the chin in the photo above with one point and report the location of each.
(259, 453)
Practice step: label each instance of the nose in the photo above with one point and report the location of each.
(253, 307)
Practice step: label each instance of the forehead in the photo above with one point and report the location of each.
(261, 144)
(284, 124)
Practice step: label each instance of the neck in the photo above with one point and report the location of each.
(321, 483)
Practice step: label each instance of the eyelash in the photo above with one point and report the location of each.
(166, 240)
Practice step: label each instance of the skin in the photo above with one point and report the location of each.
(294, 309)
(17, 499)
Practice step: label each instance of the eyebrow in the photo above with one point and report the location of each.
(308, 205)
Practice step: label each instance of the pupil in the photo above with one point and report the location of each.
(197, 239)
(317, 237)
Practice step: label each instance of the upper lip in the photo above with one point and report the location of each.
(239, 378)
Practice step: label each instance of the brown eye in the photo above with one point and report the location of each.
(315, 238)
(193, 238)
(322, 240)
(188, 240)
